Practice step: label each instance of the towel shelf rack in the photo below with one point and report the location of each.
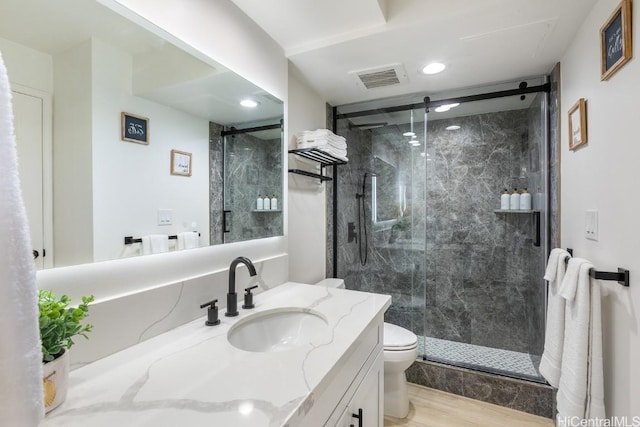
(621, 276)
(129, 240)
(316, 155)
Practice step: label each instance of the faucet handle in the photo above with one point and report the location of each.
(248, 298)
(212, 313)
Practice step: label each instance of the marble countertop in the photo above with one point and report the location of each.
(192, 376)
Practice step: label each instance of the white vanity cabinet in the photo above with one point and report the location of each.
(365, 409)
(357, 387)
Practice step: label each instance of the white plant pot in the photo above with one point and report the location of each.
(55, 381)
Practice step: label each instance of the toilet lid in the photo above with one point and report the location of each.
(397, 338)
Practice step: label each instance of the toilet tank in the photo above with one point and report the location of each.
(332, 283)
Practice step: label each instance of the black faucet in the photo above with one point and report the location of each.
(232, 297)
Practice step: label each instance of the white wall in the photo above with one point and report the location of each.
(132, 181)
(27, 66)
(307, 202)
(72, 157)
(603, 175)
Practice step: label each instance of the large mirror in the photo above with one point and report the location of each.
(124, 138)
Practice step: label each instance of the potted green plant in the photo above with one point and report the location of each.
(59, 323)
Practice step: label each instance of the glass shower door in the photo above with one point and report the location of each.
(485, 296)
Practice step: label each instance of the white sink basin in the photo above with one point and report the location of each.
(279, 329)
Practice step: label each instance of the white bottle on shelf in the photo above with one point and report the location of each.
(504, 200)
(259, 203)
(274, 203)
(525, 200)
(267, 203)
(514, 200)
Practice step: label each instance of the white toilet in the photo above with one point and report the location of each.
(400, 351)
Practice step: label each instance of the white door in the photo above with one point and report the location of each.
(32, 129)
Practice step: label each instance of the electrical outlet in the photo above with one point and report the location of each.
(591, 224)
(165, 217)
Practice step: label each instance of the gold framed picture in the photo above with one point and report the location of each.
(578, 124)
(616, 44)
(180, 163)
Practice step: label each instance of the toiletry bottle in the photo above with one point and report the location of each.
(514, 200)
(525, 200)
(504, 200)
(267, 203)
(259, 203)
(274, 203)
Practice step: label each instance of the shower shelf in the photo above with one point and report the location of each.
(509, 211)
(322, 158)
(536, 216)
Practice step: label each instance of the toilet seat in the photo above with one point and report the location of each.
(397, 338)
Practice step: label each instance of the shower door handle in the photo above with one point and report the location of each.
(225, 221)
(536, 218)
(358, 416)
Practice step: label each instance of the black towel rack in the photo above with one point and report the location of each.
(621, 276)
(129, 240)
(324, 159)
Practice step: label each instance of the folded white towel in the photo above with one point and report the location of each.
(551, 360)
(155, 244)
(21, 396)
(580, 392)
(188, 240)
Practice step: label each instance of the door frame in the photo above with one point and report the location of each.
(47, 168)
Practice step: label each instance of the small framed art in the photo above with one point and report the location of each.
(578, 124)
(615, 35)
(180, 163)
(134, 128)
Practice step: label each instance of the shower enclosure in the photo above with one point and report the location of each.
(420, 219)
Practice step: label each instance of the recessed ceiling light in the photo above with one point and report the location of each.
(415, 143)
(249, 103)
(409, 134)
(452, 127)
(422, 154)
(434, 68)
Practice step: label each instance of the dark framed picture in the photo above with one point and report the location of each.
(135, 128)
(180, 163)
(615, 37)
(578, 124)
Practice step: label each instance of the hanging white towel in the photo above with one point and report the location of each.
(21, 397)
(580, 393)
(188, 240)
(551, 360)
(155, 244)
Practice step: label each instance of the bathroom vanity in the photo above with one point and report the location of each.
(328, 370)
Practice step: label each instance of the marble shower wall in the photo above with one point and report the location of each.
(216, 183)
(253, 167)
(456, 269)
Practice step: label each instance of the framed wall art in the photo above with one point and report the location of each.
(134, 128)
(578, 124)
(615, 35)
(180, 163)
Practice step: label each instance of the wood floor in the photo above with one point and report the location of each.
(435, 408)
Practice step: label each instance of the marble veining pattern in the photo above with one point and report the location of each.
(193, 376)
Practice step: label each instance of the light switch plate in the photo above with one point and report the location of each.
(591, 224)
(165, 217)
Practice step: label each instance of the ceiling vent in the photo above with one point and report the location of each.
(377, 77)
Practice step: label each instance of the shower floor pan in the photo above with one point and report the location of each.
(486, 359)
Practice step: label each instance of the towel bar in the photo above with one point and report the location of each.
(621, 276)
(129, 240)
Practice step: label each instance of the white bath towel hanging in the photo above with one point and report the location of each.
(581, 392)
(551, 360)
(21, 397)
(155, 244)
(188, 240)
